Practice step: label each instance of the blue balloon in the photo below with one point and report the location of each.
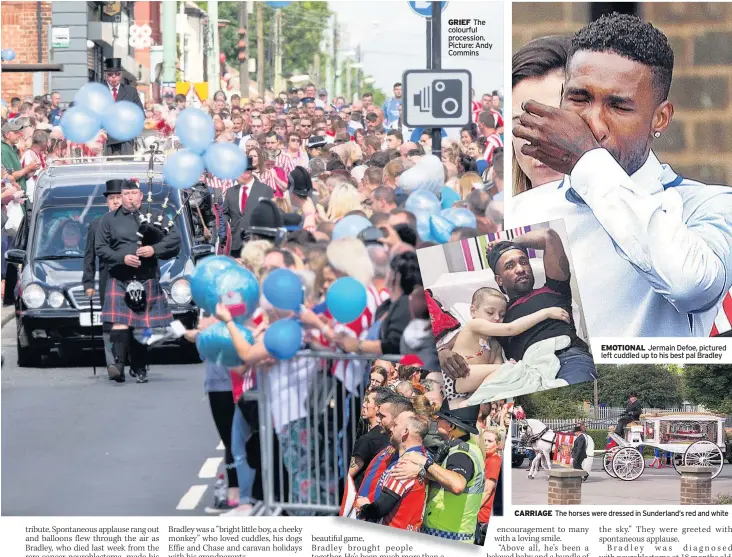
(423, 226)
(237, 279)
(346, 299)
(195, 129)
(123, 121)
(95, 97)
(350, 226)
(283, 289)
(8, 54)
(422, 201)
(449, 197)
(215, 345)
(80, 125)
(440, 229)
(459, 216)
(182, 169)
(283, 338)
(225, 160)
(203, 285)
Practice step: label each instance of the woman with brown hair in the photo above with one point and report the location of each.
(538, 74)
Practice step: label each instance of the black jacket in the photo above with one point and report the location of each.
(201, 204)
(634, 410)
(579, 448)
(90, 262)
(232, 211)
(117, 237)
(392, 327)
(126, 93)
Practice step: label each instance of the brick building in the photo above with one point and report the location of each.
(699, 141)
(20, 31)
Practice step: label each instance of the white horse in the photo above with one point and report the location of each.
(540, 438)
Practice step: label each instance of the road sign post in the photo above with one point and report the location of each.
(436, 65)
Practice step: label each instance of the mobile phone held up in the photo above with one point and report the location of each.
(234, 303)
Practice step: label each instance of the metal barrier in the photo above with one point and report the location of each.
(308, 409)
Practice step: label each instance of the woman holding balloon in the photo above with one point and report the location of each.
(403, 277)
(290, 377)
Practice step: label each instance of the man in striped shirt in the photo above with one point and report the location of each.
(387, 414)
(486, 105)
(399, 503)
(487, 128)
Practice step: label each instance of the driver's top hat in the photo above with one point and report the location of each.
(113, 65)
(113, 187)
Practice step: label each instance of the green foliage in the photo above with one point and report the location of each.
(303, 24)
(599, 438)
(724, 499)
(709, 386)
(657, 386)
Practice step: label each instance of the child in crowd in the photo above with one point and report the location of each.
(476, 341)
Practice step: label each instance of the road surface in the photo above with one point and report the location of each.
(76, 444)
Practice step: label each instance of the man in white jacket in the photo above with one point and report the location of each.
(659, 243)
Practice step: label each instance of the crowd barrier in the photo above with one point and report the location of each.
(308, 409)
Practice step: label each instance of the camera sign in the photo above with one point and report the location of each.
(436, 98)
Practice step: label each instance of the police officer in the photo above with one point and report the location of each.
(302, 197)
(113, 194)
(456, 482)
(134, 298)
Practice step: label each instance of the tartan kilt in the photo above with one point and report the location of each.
(156, 313)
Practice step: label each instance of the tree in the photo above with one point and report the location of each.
(657, 386)
(709, 386)
(303, 25)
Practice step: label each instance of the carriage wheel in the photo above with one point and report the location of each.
(678, 460)
(628, 463)
(704, 453)
(607, 463)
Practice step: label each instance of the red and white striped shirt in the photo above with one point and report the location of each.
(217, 183)
(492, 142)
(351, 373)
(288, 162)
(497, 116)
(723, 321)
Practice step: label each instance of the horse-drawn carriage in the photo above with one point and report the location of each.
(692, 438)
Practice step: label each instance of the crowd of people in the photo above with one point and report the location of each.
(311, 163)
(419, 465)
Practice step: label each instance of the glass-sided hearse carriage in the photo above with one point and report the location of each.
(693, 438)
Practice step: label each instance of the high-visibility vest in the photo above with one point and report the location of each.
(452, 516)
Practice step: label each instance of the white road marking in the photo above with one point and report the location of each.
(220, 446)
(192, 497)
(210, 467)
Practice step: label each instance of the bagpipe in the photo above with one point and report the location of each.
(152, 229)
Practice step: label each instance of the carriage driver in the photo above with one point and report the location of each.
(632, 413)
(134, 298)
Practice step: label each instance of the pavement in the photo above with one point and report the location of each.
(653, 487)
(78, 444)
(8, 312)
